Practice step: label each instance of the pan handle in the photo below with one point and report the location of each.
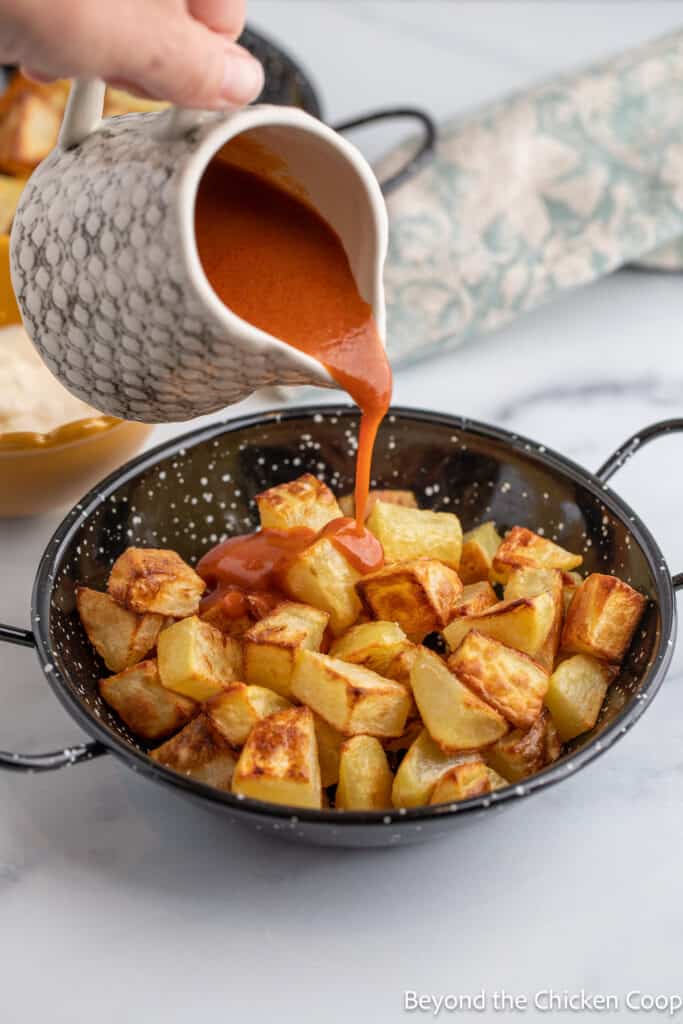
(424, 151)
(58, 758)
(629, 448)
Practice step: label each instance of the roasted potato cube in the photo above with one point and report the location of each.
(270, 645)
(365, 779)
(322, 577)
(409, 533)
(522, 752)
(461, 782)
(553, 741)
(228, 612)
(412, 730)
(305, 501)
(349, 697)
(455, 717)
(155, 580)
(522, 547)
(602, 618)
(28, 132)
(201, 751)
(329, 750)
(475, 598)
(116, 102)
(407, 499)
(529, 582)
(511, 682)
(421, 769)
(478, 548)
(238, 708)
(148, 709)
(497, 781)
(376, 645)
(419, 595)
(279, 761)
(571, 581)
(121, 638)
(576, 693)
(523, 624)
(10, 190)
(196, 659)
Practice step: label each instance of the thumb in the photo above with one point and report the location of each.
(185, 63)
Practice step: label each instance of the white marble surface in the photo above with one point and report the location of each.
(119, 902)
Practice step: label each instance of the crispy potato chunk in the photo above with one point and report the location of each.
(28, 132)
(279, 761)
(229, 613)
(412, 730)
(602, 618)
(365, 779)
(270, 646)
(523, 751)
(421, 769)
(349, 697)
(419, 595)
(529, 582)
(239, 707)
(475, 598)
(478, 548)
(522, 547)
(461, 782)
(511, 682)
(121, 638)
(456, 718)
(553, 741)
(196, 659)
(409, 533)
(576, 693)
(148, 709)
(201, 751)
(10, 190)
(155, 580)
(405, 498)
(571, 581)
(329, 750)
(523, 624)
(376, 645)
(305, 501)
(322, 577)
(496, 781)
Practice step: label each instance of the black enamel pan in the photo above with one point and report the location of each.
(187, 493)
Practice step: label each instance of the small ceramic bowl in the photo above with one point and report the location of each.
(41, 472)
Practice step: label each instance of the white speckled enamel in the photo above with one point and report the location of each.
(106, 272)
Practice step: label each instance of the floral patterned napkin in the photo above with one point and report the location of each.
(537, 194)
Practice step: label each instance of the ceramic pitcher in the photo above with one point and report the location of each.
(105, 265)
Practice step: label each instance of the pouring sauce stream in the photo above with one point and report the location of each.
(277, 264)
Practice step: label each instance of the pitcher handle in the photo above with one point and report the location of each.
(85, 106)
(83, 113)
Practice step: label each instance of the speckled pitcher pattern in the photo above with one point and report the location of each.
(100, 273)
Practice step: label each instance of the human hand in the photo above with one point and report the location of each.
(183, 51)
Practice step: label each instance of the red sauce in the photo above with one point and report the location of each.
(277, 264)
(360, 548)
(253, 561)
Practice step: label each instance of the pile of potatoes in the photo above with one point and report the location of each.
(459, 667)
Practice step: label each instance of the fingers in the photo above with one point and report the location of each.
(223, 16)
(156, 46)
(182, 60)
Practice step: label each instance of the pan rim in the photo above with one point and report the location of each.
(140, 762)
